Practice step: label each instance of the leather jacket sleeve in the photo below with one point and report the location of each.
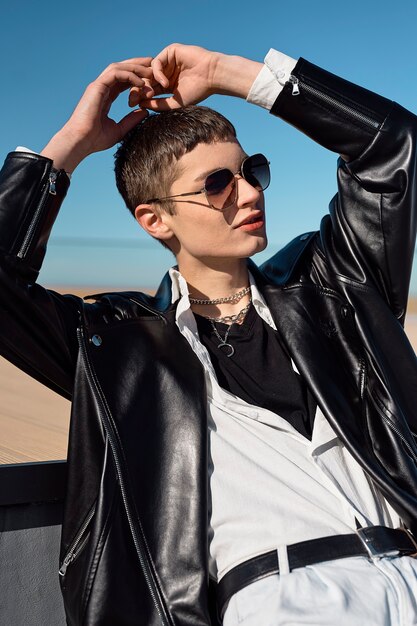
(37, 326)
(370, 235)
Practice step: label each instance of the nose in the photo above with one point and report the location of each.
(247, 194)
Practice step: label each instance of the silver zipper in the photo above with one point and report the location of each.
(138, 540)
(296, 84)
(401, 436)
(295, 88)
(50, 190)
(386, 419)
(154, 312)
(78, 543)
(362, 377)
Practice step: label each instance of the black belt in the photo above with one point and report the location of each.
(374, 541)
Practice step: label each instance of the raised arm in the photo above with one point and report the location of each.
(370, 235)
(90, 129)
(38, 326)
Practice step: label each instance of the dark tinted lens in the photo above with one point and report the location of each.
(219, 188)
(218, 181)
(255, 170)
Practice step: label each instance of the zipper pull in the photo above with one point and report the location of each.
(64, 566)
(52, 181)
(295, 86)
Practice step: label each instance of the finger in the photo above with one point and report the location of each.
(135, 98)
(138, 60)
(158, 65)
(100, 94)
(131, 65)
(136, 95)
(131, 120)
(121, 81)
(161, 104)
(121, 72)
(149, 90)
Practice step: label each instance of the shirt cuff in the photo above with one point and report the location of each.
(23, 149)
(271, 79)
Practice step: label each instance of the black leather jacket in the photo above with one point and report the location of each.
(134, 542)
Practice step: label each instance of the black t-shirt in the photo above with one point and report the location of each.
(260, 371)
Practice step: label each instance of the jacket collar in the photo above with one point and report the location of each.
(280, 268)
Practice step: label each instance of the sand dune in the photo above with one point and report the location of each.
(34, 421)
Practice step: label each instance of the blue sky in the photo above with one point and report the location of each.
(50, 52)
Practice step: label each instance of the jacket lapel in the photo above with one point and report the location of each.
(314, 341)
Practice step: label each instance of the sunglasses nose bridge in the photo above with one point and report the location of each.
(246, 193)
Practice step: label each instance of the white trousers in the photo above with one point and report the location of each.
(355, 591)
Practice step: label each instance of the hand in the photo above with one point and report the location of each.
(185, 71)
(90, 129)
(192, 74)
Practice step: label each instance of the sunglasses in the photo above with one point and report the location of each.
(220, 186)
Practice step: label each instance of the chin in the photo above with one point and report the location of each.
(242, 251)
(258, 245)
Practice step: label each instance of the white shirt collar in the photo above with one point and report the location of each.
(184, 317)
(179, 291)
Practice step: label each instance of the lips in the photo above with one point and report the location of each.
(252, 222)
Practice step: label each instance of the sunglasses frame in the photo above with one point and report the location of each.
(204, 190)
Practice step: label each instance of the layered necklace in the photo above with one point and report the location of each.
(238, 318)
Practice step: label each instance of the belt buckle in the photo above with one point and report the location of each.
(411, 538)
(373, 553)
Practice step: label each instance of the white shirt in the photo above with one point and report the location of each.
(269, 485)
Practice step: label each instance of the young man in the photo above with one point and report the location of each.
(274, 455)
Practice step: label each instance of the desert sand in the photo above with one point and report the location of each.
(34, 421)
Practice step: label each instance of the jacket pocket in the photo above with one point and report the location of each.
(396, 425)
(79, 542)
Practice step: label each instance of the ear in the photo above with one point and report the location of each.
(153, 221)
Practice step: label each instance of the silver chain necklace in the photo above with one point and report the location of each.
(234, 298)
(226, 347)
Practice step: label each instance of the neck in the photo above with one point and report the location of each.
(214, 280)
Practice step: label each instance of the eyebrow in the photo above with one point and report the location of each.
(204, 175)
